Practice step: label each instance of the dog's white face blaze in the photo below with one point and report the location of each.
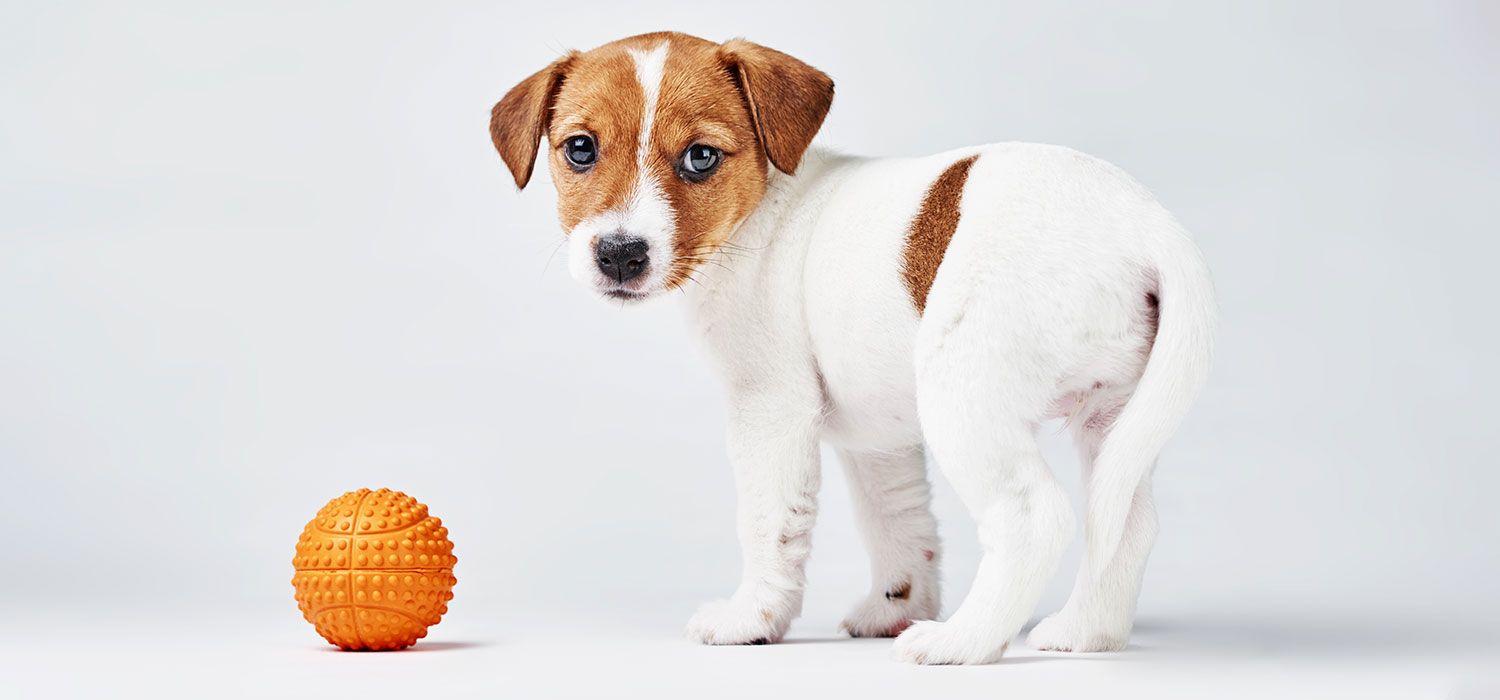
(645, 213)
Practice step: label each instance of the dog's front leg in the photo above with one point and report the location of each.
(773, 446)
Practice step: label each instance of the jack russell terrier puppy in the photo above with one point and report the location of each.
(896, 308)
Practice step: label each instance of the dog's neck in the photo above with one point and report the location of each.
(778, 229)
(787, 197)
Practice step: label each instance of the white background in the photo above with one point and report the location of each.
(256, 255)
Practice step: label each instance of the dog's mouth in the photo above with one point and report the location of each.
(628, 295)
(629, 291)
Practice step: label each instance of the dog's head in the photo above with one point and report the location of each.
(659, 146)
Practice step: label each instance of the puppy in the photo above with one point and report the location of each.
(896, 308)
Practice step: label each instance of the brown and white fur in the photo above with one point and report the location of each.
(896, 308)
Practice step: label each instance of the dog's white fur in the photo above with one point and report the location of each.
(1038, 311)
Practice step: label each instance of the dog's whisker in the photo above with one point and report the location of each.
(706, 260)
(701, 252)
(552, 255)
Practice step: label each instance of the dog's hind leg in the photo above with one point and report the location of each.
(892, 502)
(979, 414)
(1099, 614)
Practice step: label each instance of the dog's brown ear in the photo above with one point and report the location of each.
(787, 98)
(519, 121)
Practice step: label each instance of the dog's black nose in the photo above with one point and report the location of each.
(621, 258)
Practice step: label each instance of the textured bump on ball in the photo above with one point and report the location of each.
(385, 601)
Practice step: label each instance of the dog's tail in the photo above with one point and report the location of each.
(1175, 370)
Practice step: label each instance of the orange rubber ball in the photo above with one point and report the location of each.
(374, 570)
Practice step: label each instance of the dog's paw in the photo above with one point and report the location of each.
(1063, 631)
(889, 613)
(738, 621)
(939, 643)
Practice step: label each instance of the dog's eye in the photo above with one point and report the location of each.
(580, 152)
(698, 162)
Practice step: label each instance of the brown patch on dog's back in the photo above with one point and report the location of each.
(930, 231)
